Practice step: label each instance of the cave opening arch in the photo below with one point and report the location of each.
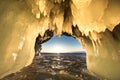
(49, 34)
(79, 58)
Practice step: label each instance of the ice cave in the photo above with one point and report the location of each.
(95, 23)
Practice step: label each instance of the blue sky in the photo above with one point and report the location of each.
(62, 44)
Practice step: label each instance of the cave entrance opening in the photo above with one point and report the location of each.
(62, 55)
(62, 44)
(57, 44)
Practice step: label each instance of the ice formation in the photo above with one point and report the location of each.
(94, 22)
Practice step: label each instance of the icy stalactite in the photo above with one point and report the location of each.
(88, 15)
(58, 13)
(95, 15)
(58, 21)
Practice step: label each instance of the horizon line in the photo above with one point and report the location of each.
(65, 52)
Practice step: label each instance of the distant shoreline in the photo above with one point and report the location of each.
(83, 54)
(63, 52)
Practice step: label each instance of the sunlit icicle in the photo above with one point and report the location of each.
(58, 21)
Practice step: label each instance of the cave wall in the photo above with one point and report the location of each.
(18, 31)
(103, 52)
(103, 57)
(93, 22)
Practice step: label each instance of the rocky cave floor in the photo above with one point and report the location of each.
(34, 72)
